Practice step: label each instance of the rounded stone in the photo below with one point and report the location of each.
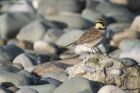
(42, 58)
(92, 15)
(132, 53)
(118, 27)
(13, 51)
(75, 86)
(50, 80)
(25, 6)
(129, 43)
(52, 35)
(46, 88)
(71, 20)
(128, 62)
(4, 56)
(26, 90)
(44, 47)
(121, 2)
(58, 76)
(61, 6)
(10, 30)
(29, 31)
(26, 60)
(111, 89)
(69, 37)
(4, 90)
(31, 77)
(16, 79)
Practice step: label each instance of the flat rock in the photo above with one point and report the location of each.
(50, 67)
(69, 37)
(8, 29)
(93, 68)
(26, 60)
(75, 86)
(111, 89)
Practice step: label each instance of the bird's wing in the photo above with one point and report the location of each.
(92, 35)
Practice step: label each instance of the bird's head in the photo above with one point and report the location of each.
(100, 25)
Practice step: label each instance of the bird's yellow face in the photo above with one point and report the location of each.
(100, 25)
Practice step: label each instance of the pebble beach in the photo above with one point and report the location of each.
(34, 57)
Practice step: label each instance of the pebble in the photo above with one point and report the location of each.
(117, 72)
(8, 29)
(43, 47)
(49, 67)
(128, 62)
(26, 60)
(4, 90)
(50, 81)
(132, 53)
(31, 77)
(62, 6)
(15, 78)
(135, 24)
(13, 51)
(73, 85)
(129, 44)
(25, 6)
(26, 90)
(118, 27)
(69, 37)
(52, 35)
(115, 53)
(134, 6)
(58, 76)
(4, 56)
(42, 58)
(29, 31)
(110, 89)
(46, 88)
(71, 21)
(121, 2)
(92, 15)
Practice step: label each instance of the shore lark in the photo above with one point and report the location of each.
(93, 36)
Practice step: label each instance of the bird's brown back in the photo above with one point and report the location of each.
(91, 35)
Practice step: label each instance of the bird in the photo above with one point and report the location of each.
(93, 36)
